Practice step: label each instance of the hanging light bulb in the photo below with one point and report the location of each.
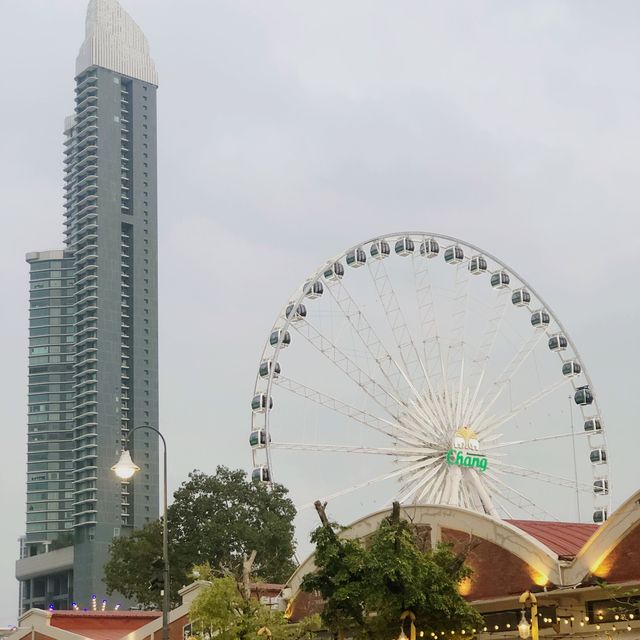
(524, 628)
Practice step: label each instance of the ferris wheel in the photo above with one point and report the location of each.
(418, 367)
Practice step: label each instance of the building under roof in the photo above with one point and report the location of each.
(586, 579)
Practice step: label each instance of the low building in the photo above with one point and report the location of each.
(586, 578)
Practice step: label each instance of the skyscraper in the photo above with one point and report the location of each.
(93, 369)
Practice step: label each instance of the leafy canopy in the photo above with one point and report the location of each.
(222, 611)
(214, 519)
(368, 584)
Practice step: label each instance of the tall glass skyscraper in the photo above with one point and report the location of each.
(93, 352)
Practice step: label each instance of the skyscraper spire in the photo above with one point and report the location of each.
(114, 41)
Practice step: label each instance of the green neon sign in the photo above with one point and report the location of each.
(469, 460)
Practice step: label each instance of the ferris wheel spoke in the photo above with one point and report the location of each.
(557, 436)
(415, 484)
(492, 425)
(503, 379)
(555, 480)
(394, 430)
(483, 354)
(407, 350)
(362, 485)
(488, 340)
(517, 499)
(429, 491)
(361, 326)
(379, 394)
(455, 356)
(428, 322)
(406, 454)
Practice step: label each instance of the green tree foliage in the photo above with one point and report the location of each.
(368, 584)
(222, 611)
(215, 519)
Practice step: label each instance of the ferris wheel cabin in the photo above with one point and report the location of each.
(520, 297)
(500, 279)
(593, 424)
(540, 319)
(356, 258)
(380, 250)
(296, 313)
(313, 290)
(558, 342)
(601, 486)
(571, 368)
(258, 439)
(599, 516)
(477, 265)
(261, 474)
(281, 337)
(454, 255)
(429, 248)
(334, 271)
(583, 396)
(598, 456)
(259, 403)
(404, 247)
(267, 367)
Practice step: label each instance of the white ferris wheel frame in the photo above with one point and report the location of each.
(284, 322)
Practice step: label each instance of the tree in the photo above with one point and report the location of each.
(223, 610)
(217, 519)
(366, 586)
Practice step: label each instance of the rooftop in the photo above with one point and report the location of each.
(563, 538)
(114, 41)
(102, 625)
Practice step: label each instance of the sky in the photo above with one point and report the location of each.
(289, 131)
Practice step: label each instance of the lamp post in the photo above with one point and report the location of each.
(125, 468)
(524, 629)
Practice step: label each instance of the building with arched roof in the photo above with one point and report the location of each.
(583, 575)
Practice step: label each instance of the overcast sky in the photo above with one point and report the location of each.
(290, 130)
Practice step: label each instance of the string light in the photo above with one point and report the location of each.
(104, 604)
(116, 607)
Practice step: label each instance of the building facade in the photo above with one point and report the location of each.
(96, 340)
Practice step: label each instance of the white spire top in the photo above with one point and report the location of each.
(114, 41)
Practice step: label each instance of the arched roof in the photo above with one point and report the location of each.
(513, 539)
(621, 522)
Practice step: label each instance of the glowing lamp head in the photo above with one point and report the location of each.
(125, 467)
(524, 628)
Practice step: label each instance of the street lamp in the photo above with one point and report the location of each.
(125, 469)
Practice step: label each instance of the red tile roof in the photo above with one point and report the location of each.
(102, 625)
(563, 538)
